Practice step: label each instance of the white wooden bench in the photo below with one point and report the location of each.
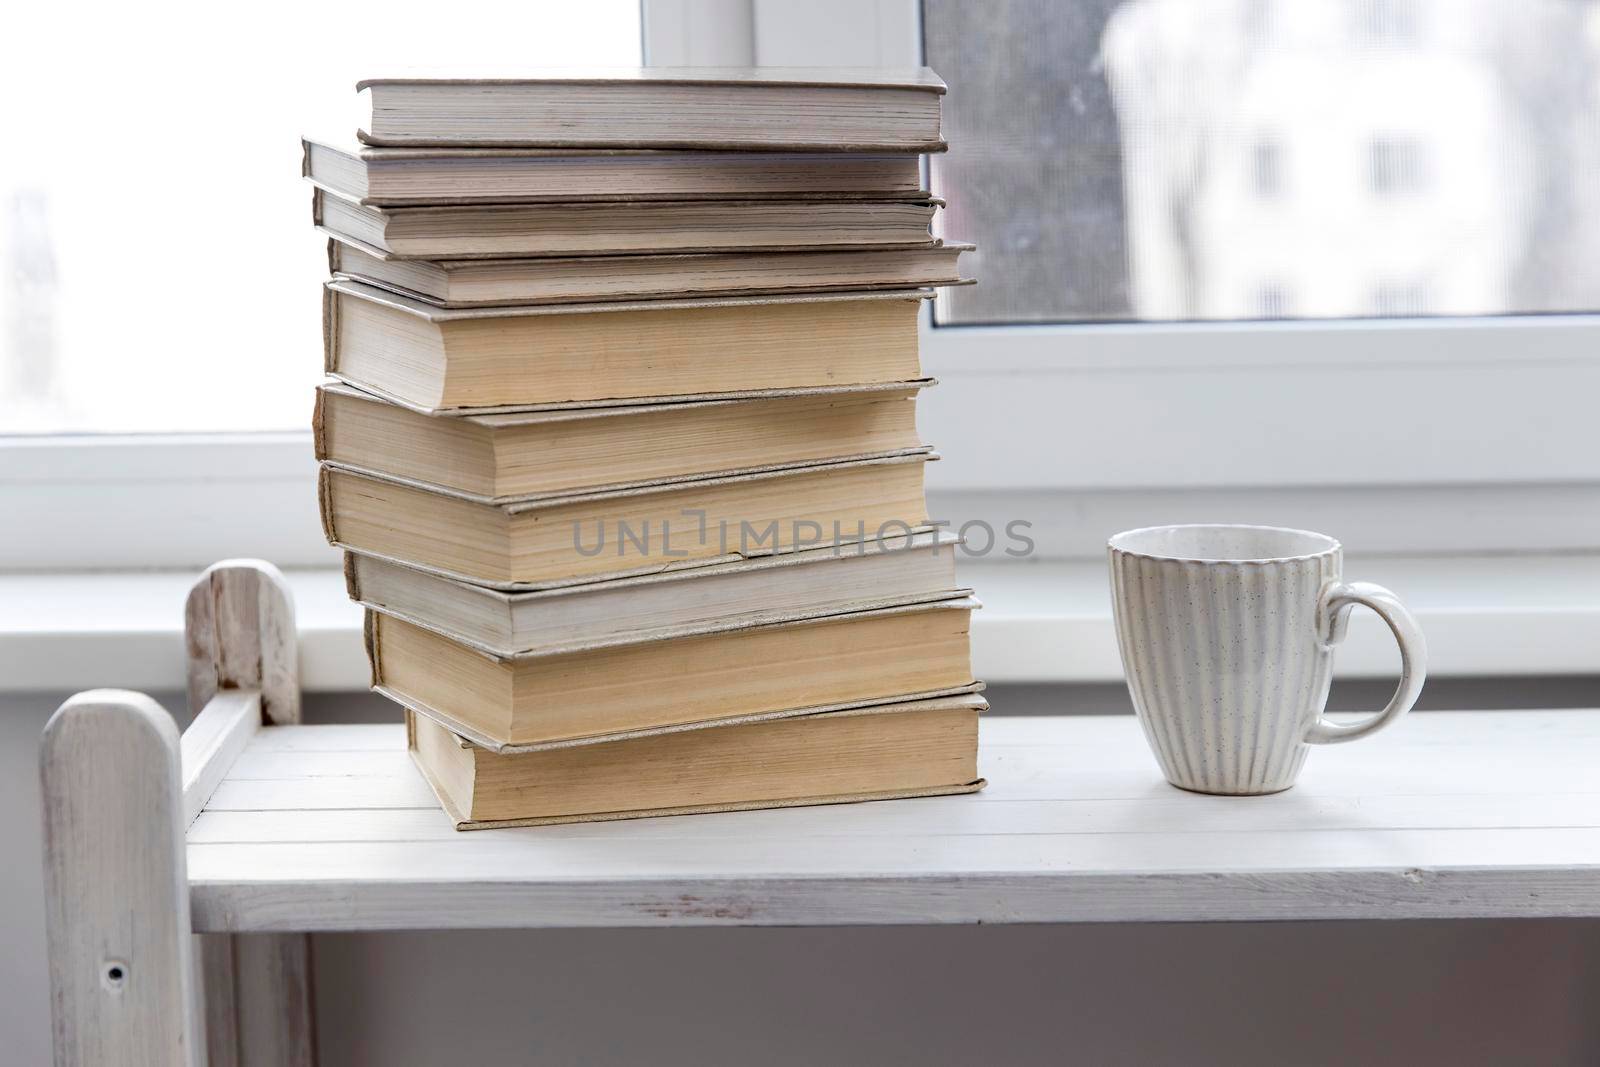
(251, 830)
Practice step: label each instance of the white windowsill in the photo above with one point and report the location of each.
(1044, 622)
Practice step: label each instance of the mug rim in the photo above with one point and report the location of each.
(1332, 543)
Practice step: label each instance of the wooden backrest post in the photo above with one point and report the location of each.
(122, 979)
(239, 634)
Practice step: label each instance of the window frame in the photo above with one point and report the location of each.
(1086, 424)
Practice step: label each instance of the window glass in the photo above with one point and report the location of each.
(160, 268)
(1240, 159)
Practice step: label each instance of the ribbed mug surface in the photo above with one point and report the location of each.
(1224, 657)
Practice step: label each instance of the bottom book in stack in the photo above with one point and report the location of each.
(882, 752)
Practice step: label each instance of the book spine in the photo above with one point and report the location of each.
(352, 584)
(319, 437)
(369, 637)
(305, 158)
(316, 207)
(330, 331)
(334, 259)
(325, 504)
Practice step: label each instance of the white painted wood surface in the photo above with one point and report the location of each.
(122, 981)
(239, 631)
(243, 668)
(272, 989)
(213, 741)
(214, 953)
(1462, 814)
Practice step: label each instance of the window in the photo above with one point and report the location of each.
(1400, 298)
(1388, 21)
(1077, 389)
(160, 272)
(1399, 166)
(1266, 170)
(1106, 155)
(1272, 301)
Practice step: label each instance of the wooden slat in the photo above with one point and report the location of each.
(953, 817)
(1121, 770)
(324, 793)
(213, 742)
(527, 858)
(1002, 897)
(333, 738)
(494, 900)
(266, 766)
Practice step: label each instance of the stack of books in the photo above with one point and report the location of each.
(621, 443)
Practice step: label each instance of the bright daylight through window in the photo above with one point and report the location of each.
(1241, 159)
(125, 289)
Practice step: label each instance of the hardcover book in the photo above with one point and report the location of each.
(887, 752)
(783, 587)
(596, 279)
(516, 455)
(579, 354)
(560, 540)
(501, 231)
(404, 177)
(693, 680)
(840, 109)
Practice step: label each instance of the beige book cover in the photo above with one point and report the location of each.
(503, 458)
(541, 542)
(909, 748)
(447, 359)
(628, 227)
(720, 676)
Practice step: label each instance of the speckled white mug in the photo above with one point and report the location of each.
(1227, 637)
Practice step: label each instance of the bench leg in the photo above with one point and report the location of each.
(122, 975)
(258, 1000)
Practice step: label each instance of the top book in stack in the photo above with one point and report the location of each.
(766, 109)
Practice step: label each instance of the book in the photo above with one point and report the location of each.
(892, 751)
(776, 108)
(784, 587)
(767, 671)
(440, 359)
(561, 280)
(504, 231)
(401, 177)
(544, 542)
(517, 455)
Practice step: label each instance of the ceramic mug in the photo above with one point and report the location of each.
(1227, 637)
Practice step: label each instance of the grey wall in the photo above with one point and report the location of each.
(1303, 993)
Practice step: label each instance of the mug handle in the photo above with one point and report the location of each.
(1337, 601)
